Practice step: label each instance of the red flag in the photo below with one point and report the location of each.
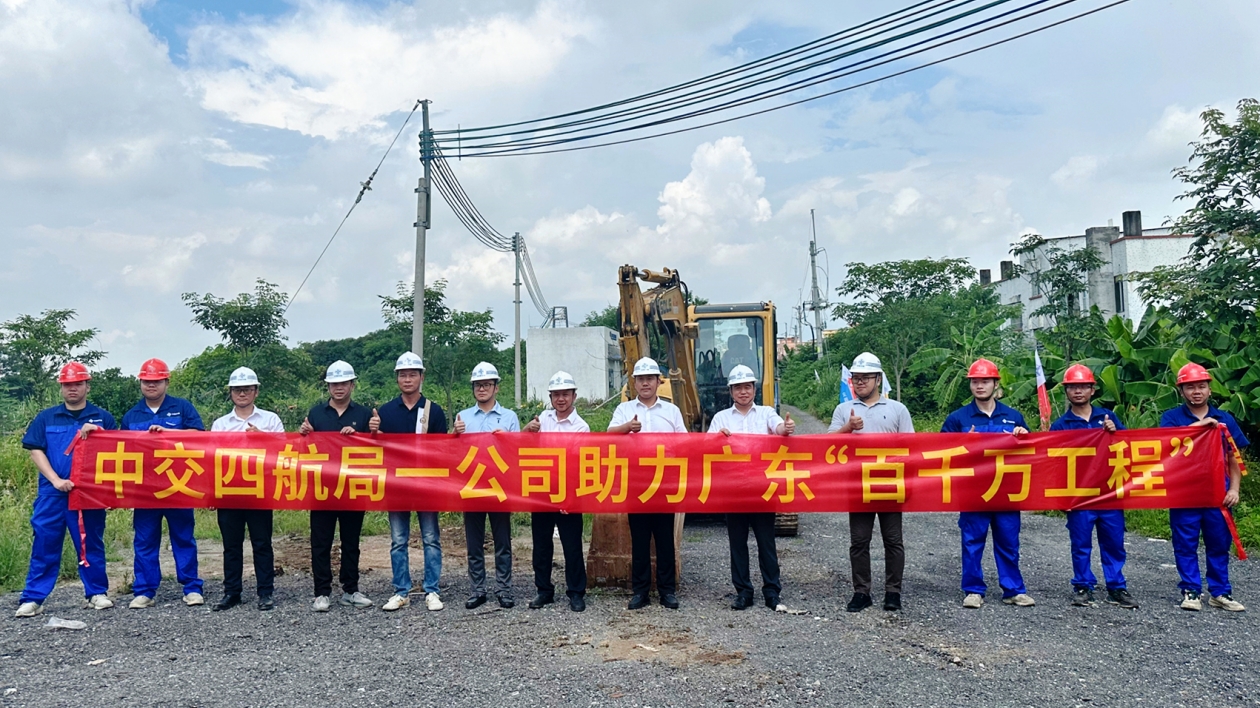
(1043, 399)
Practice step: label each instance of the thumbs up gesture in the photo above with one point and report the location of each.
(854, 422)
(533, 426)
(788, 427)
(459, 425)
(374, 423)
(635, 425)
(1109, 425)
(305, 428)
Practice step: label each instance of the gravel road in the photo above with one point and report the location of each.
(934, 653)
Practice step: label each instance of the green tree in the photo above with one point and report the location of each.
(246, 321)
(1218, 282)
(609, 317)
(33, 348)
(903, 306)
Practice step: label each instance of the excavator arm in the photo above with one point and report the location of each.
(663, 309)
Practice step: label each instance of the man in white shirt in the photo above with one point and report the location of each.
(870, 412)
(560, 418)
(245, 417)
(747, 418)
(649, 414)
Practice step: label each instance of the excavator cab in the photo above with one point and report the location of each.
(727, 336)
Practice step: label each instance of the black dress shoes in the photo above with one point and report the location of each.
(540, 600)
(227, 603)
(669, 601)
(638, 602)
(742, 602)
(577, 603)
(860, 602)
(474, 602)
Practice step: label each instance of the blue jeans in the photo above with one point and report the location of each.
(400, 536)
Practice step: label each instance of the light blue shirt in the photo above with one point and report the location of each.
(499, 418)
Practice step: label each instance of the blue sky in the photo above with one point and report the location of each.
(155, 148)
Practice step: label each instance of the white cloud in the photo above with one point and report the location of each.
(221, 152)
(1076, 171)
(330, 68)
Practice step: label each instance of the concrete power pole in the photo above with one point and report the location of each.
(816, 302)
(516, 249)
(424, 214)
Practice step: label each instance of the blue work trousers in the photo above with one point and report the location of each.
(147, 524)
(975, 527)
(1110, 525)
(1186, 525)
(50, 519)
(399, 558)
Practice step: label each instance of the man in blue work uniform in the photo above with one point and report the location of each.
(487, 417)
(986, 414)
(1195, 384)
(1079, 388)
(157, 412)
(412, 413)
(48, 438)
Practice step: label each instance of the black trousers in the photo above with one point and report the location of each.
(762, 525)
(644, 528)
(861, 528)
(475, 539)
(541, 525)
(232, 525)
(323, 528)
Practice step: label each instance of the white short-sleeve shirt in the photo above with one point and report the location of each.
(759, 420)
(660, 417)
(265, 421)
(572, 424)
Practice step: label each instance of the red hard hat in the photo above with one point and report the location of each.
(1078, 374)
(983, 369)
(1192, 372)
(154, 370)
(73, 371)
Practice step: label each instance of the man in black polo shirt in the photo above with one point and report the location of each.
(339, 414)
(410, 413)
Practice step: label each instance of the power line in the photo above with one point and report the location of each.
(772, 63)
(364, 187)
(529, 151)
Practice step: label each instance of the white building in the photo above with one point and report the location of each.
(1112, 288)
(591, 354)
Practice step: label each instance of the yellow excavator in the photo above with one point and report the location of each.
(696, 346)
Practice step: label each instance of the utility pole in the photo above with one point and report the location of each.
(516, 249)
(815, 298)
(424, 213)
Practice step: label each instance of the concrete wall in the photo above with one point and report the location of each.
(591, 354)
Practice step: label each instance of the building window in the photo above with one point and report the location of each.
(1119, 285)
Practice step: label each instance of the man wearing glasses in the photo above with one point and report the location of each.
(870, 412)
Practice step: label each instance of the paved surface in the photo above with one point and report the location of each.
(934, 653)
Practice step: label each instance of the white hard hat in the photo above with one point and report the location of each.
(339, 371)
(484, 371)
(410, 360)
(867, 363)
(562, 381)
(646, 366)
(243, 376)
(741, 374)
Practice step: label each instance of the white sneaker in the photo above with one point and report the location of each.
(396, 602)
(358, 600)
(1020, 600)
(1190, 601)
(193, 599)
(321, 604)
(433, 601)
(99, 602)
(973, 601)
(1225, 602)
(139, 602)
(29, 609)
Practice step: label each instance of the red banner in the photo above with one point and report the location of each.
(603, 473)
